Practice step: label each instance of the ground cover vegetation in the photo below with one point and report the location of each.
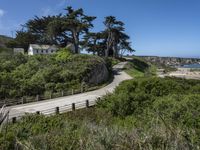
(21, 75)
(4, 50)
(138, 67)
(150, 113)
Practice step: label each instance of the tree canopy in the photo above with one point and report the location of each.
(73, 27)
(111, 40)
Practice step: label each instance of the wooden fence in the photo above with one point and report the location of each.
(36, 98)
(57, 110)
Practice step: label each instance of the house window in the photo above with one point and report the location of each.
(37, 51)
(51, 51)
(42, 51)
(46, 51)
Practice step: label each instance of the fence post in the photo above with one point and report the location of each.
(37, 97)
(14, 120)
(57, 110)
(37, 112)
(4, 101)
(87, 104)
(73, 107)
(62, 93)
(50, 95)
(81, 88)
(98, 99)
(72, 91)
(22, 100)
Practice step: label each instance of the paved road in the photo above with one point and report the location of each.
(43, 106)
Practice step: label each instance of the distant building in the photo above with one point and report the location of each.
(35, 49)
(18, 50)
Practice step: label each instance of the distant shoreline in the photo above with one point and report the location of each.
(185, 73)
(169, 57)
(191, 66)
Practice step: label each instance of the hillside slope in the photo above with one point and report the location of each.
(3, 40)
(46, 75)
(138, 67)
(150, 113)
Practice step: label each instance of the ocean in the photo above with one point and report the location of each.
(191, 66)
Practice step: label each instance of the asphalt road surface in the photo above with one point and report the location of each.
(47, 105)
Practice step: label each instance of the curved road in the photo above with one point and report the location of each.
(48, 106)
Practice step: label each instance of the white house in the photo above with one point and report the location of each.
(41, 49)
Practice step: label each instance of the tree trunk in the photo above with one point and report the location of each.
(76, 41)
(107, 51)
(115, 51)
(107, 47)
(76, 48)
(108, 44)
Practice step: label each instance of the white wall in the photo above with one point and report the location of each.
(30, 51)
(43, 52)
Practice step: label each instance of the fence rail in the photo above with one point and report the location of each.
(36, 98)
(56, 110)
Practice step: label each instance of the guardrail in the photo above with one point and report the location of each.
(56, 110)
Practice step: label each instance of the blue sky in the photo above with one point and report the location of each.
(156, 27)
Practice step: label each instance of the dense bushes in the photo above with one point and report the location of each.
(183, 110)
(22, 75)
(150, 113)
(132, 97)
(156, 105)
(154, 102)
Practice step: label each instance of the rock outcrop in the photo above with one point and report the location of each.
(98, 74)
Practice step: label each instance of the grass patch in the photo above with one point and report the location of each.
(115, 61)
(137, 68)
(135, 73)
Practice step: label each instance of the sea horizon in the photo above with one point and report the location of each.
(195, 57)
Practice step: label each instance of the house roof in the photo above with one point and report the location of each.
(43, 47)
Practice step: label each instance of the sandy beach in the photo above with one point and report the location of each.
(187, 73)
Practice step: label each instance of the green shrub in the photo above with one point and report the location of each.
(63, 54)
(23, 75)
(181, 109)
(150, 113)
(132, 96)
